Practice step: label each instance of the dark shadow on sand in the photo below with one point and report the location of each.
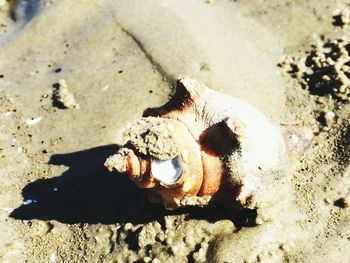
(88, 193)
(23, 11)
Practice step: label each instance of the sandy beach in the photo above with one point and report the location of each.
(74, 73)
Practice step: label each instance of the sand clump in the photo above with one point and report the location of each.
(188, 242)
(324, 70)
(63, 97)
(155, 137)
(342, 15)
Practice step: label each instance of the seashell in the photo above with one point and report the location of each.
(203, 146)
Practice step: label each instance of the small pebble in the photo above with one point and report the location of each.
(28, 202)
(342, 202)
(105, 88)
(327, 200)
(128, 226)
(329, 115)
(53, 257)
(33, 120)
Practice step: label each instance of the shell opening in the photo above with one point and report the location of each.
(168, 173)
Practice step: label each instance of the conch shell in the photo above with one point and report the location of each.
(203, 146)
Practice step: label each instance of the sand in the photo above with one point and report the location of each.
(59, 204)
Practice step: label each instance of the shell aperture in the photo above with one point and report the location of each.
(168, 173)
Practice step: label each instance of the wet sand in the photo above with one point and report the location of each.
(59, 204)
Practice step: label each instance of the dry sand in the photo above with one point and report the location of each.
(58, 204)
